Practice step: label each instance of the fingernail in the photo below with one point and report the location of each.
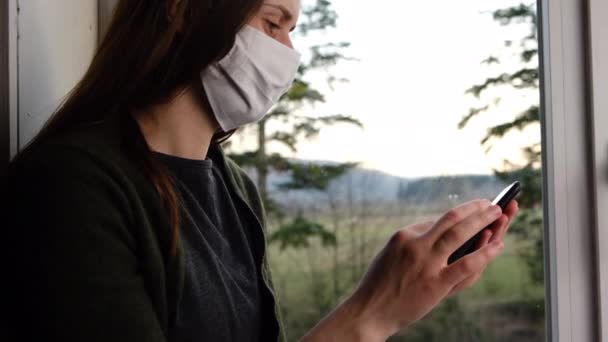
(496, 211)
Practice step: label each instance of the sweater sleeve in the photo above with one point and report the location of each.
(74, 266)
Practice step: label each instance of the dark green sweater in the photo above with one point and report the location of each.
(86, 240)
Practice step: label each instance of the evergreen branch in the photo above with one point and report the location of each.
(314, 176)
(338, 118)
(297, 233)
(472, 113)
(529, 116)
(524, 78)
(287, 139)
(519, 13)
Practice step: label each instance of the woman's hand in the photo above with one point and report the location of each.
(410, 276)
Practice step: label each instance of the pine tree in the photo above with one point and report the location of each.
(528, 224)
(296, 127)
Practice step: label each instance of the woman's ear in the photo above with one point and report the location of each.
(175, 14)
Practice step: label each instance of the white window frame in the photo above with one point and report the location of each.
(575, 190)
(598, 33)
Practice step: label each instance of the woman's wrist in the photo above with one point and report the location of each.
(348, 322)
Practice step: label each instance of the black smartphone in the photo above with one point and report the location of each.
(502, 200)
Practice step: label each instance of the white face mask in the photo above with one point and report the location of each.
(244, 85)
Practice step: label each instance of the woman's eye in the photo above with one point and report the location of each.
(272, 26)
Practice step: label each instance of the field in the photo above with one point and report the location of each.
(505, 305)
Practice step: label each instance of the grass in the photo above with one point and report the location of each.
(504, 304)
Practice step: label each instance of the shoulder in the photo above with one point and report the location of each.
(85, 164)
(94, 150)
(78, 182)
(52, 161)
(65, 178)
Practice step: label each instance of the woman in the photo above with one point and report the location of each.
(128, 222)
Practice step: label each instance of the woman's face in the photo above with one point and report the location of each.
(277, 18)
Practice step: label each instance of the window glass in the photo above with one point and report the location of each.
(401, 111)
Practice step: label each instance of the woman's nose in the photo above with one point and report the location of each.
(287, 41)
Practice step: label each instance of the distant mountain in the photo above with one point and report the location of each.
(372, 185)
(459, 187)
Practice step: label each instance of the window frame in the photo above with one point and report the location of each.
(570, 187)
(598, 31)
(11, 95)
(4, 85)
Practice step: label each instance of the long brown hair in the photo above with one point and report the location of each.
(143, 59)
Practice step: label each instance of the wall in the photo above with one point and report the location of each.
(51, 45)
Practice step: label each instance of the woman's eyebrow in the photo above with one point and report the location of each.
(284, 11)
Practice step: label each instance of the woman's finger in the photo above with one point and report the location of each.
(468, 282)
(456, 236)
(456, 215)
(471, 264)
(486, 235)
(511, 209)
(422, 228)
(499, 228)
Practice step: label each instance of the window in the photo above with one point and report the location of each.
(423, 107)
(384, 149)
(350, 202)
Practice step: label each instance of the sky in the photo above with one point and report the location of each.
(414, 62)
